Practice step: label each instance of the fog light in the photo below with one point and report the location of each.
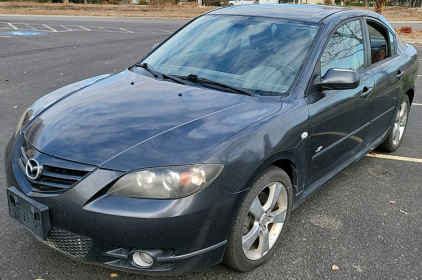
(142, 259)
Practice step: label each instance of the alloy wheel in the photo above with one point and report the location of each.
(400, 122)
(265, 220)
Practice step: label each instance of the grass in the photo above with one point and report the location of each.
(396, 13)
(169, 11)
(149, 11)
(154, 11)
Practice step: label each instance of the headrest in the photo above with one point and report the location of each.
(261, 39)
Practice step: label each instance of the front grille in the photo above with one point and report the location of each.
(53, 178)
(69, 242)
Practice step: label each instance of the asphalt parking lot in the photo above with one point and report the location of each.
(367, 220)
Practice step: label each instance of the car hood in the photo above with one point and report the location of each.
(129, 121)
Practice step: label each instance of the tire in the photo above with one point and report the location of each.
(260, 222)
(395, 135)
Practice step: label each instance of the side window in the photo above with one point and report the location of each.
(344, 49)
(378, 37)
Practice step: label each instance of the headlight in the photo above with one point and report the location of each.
(26, 117)
(166, 182)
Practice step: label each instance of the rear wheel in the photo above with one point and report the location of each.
(395, 135)
(260, 221)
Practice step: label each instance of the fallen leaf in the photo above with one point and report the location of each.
(15, 107)
(114, 275)
(392, 202)
(334, 267)
(401, 211)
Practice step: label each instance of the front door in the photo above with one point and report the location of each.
(340, 119)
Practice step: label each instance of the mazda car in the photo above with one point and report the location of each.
(198, 153)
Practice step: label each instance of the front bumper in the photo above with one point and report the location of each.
(89, 225)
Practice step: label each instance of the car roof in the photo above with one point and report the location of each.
(301, 12)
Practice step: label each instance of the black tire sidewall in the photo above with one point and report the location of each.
(388, 144)
(238, 260)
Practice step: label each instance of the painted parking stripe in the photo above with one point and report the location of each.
(30, 27)
(147, 31)
(418, 160)
(106, 29)
(417, 104)
(67, 28)
(4, 25)
(126, 30)
(11, 25)
(50, 28)
(84, 28)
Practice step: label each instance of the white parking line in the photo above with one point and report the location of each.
(126, 30)
(417, 104)
(30, 26)
(104, 28)
(147, 31)
(11, 25)
(85, 28)
(6, 36)
(50, 28)
(66, 28)
(418, 160)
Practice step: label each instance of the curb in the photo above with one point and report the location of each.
(412, 41)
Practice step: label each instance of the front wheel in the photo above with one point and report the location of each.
(260, 221)
(395, 135)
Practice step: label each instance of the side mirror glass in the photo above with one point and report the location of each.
(337, 79)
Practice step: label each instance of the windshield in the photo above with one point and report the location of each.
(258, 55)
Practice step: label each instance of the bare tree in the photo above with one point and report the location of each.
(380, 5)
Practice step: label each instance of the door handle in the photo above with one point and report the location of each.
(366, 92)
(399, 74)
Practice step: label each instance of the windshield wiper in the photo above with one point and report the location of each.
(149, 68)
(156, 74)
(204, 81)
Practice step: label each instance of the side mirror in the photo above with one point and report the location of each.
(155, 46)
(340, 79)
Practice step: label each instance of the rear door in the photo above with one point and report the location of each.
(340, 118)
(388, 71)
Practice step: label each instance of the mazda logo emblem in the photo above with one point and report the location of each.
(33, 169)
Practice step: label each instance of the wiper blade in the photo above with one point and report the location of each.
(201, 80)
(156, 74)
(171, 77)
(149, 68)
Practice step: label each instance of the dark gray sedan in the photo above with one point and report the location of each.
(199, 152)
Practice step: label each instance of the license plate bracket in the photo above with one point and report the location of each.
(30, 213)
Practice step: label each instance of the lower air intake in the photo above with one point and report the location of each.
(69, 242)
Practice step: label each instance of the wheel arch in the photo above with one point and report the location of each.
(283, 162)
(290, 168)
(411, 93)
